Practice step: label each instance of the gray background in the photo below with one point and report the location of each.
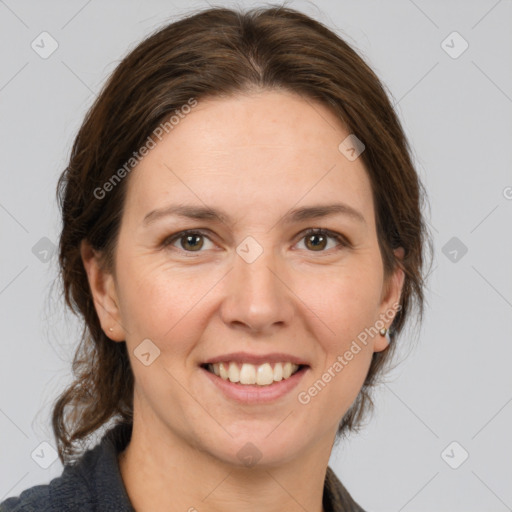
(454, 383)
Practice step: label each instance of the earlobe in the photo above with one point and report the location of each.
(391, 298)
(104, 293)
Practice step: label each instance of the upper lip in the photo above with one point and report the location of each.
(257, 359)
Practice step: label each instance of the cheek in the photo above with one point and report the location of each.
(347, 306)
(161, 302)
(346, 300)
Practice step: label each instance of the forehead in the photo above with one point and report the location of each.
(267, 151)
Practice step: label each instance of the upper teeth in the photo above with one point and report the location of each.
(246, 373)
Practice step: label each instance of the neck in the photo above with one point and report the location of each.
(173, 475)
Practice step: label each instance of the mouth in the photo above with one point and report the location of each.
(254, 383)
(248, 374)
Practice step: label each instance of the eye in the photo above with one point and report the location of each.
(189, 241)
(316, 240)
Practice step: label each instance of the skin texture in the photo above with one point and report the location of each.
(256, 156)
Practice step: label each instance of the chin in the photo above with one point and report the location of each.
(258, 445)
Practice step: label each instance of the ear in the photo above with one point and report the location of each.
(104, 292)
(391, 294)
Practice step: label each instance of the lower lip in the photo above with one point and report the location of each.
(254, 394)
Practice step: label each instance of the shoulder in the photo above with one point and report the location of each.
(64, 493)
(30, 500)
(91, 480)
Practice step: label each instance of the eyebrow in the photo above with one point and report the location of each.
(293, 216)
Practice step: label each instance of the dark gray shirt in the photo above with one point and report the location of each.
(94, 484)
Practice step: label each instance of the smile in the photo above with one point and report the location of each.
(249, 392)
(246, 373)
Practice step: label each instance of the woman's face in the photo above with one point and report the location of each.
(254, 287)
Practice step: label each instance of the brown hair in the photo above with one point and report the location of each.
(214, 53)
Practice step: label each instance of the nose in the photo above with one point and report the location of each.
(258, 297)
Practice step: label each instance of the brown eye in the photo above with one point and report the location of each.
(192, 242)
(316, 240)
(189, 241)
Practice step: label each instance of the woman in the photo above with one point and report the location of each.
(242, 237)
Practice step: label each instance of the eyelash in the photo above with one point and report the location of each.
(343, 242)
